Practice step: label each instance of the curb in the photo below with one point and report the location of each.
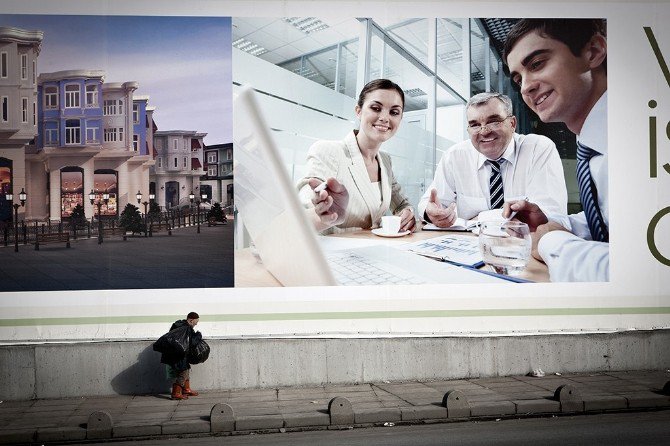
(340, 414)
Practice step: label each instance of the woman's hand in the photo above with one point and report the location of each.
(407, 220)
(330, 204)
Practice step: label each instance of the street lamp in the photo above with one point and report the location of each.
(139, 198)
(191, 196)
(152, 196)
(105, 198)
(22, 197)
(197, 216)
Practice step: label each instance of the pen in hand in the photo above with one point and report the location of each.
(511, 216)
(321, 187)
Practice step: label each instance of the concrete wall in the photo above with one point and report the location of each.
(132, 367)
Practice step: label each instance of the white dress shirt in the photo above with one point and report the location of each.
(573, 257)
(531, 168)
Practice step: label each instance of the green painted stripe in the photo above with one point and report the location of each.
(257, 317)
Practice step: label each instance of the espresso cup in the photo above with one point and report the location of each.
(390, 224)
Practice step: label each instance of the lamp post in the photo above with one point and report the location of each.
(105, 198)
(204, 200)
(152, 196)
(197, 215)
(191, 196)
(22, 197)
(138, 195)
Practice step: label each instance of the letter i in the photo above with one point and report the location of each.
(653, 155)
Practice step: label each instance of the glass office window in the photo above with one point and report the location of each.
(479, 49)
(413, 36)
(412, 146)
(450, 51)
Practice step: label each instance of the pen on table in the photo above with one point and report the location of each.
(511, 216)
(441, 258)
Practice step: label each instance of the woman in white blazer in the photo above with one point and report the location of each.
(361, 185)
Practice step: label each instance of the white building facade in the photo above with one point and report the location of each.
(178, 166)
(19, 50)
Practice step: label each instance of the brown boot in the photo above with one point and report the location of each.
(188, 390)
(177, 393)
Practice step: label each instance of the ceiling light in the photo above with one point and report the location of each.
(306, 25)
(249, 47)
(451, 56)
(415, 92)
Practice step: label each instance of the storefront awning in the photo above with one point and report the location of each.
(195, 164)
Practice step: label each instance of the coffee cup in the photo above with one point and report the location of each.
(390, 224)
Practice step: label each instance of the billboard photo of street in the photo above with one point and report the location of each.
(116, 155)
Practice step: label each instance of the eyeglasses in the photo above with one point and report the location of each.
(491, 125)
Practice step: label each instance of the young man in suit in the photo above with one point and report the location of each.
(560, 67)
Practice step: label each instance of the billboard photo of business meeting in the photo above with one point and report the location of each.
(117, 171)
(410, 168)
(512, 142)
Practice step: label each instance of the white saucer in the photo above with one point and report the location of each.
(381, 233)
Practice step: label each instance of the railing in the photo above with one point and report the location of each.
(27, 231)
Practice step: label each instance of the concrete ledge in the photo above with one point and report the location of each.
(185, 427)
(51, 370)
(647, 399)
(121, 431)
(604, 402)
(49, 434)
(17, 436)
(491, 408)
(541, 405)
(378, 415)
(429, 412)
(306, 419)
(249, 423)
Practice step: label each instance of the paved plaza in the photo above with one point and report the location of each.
(307, 408)
(184, 259)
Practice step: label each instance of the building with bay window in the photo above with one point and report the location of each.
(92, 136)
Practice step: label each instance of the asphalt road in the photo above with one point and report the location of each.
(638, 428)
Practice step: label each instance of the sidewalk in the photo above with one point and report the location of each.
(272, 410)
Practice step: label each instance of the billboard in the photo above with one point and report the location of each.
(633, 296)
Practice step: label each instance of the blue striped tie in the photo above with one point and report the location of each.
(496, 184)
(588, 194)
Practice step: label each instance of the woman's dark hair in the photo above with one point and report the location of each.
(380, 84)
(192, 315)
(575, 33)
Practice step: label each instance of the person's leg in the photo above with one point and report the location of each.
(187, 385)
(179, 385)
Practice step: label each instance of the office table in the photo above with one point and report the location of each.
(249, 270)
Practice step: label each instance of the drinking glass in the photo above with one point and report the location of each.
(505, 246)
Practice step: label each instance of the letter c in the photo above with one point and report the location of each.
(650, 236)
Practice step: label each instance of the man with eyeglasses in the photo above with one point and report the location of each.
(560, 67)
(493, 166)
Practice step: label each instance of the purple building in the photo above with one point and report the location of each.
(92, 136)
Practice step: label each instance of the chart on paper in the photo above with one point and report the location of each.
(459, 249)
